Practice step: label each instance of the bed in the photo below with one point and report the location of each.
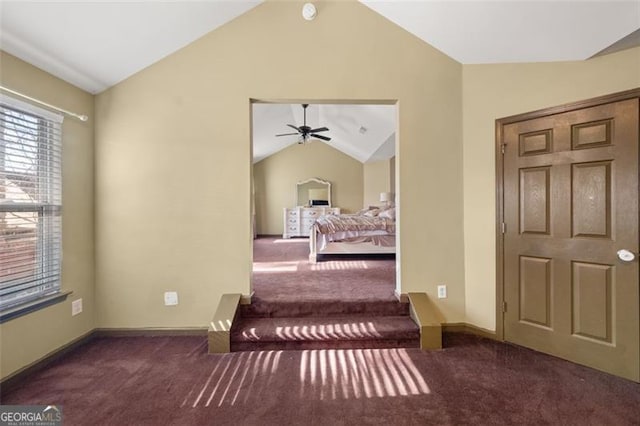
(369, 231)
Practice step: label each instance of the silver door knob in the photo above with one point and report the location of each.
(626, 255)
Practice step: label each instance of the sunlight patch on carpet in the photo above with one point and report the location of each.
(242, 378)
(337, 265)
(275, 266)
(359, 373)
(291, 241)
(326, 332)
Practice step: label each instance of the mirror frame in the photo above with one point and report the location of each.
(318, 181)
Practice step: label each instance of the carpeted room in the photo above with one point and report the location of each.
(137, 221)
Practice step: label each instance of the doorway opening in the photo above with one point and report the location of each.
(299, 181)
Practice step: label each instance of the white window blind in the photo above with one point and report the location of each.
(30, 203)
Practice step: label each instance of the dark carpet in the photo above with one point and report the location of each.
(285, 284)
(339, 303)
(353, 332)
(473, 381)
(282, 272)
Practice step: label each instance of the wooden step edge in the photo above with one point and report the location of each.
(429, 320)
(219, 333)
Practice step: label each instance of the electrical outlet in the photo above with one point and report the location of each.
(170, 298)
(76, 307)
(442, 291)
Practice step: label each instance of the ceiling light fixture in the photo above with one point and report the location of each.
(305, 132)
(309, 11)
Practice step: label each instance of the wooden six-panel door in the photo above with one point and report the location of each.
(570, 188)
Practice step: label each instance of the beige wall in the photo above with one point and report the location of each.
(377, 179)
(174, 169)
(173, 166)
(494, 91)
(276, 176)
(26, 339)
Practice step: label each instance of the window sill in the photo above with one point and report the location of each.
(27, 308)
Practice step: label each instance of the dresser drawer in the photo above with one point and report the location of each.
(291, 231)
(311, 214)
(299, 220)
(307, 223)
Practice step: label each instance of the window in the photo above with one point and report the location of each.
(30, 203)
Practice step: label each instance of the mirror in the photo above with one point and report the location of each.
(313, 192)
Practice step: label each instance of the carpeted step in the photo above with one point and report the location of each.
(322, 308)
(352, 332)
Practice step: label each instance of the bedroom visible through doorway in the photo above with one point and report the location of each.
(302, 182)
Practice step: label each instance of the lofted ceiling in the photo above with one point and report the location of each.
(504, 31)
(364, 132)
(94, 45)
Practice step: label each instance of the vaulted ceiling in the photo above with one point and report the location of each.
(95, 45)
(364, 132)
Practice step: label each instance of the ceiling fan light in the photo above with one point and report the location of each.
(305, 132)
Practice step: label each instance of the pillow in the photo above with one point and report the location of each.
(366, 209)
(388, 213)
(372, 212)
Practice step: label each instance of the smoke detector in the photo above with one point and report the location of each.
(309, 11)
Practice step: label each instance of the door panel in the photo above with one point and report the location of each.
(535, 290)
(592, 307)
(591, 197)
(534, 200)
(570, 203)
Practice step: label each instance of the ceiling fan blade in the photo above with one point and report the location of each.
(324, 138)
(293, 127)
(287, 134)
(319, 129)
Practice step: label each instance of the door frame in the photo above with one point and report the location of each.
(397, 192)
(500, 123)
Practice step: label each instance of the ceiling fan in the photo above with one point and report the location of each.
(305, 131)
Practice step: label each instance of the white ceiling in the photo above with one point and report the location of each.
(364, 132)
(480, 31)
(96, 44)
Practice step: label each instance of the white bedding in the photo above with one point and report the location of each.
(353, 234)
(379, 238)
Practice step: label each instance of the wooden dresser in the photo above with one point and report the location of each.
(298, 220)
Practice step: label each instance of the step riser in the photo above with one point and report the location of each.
(318, 309)
(315, 345)
(308, 325)
(354, 332)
